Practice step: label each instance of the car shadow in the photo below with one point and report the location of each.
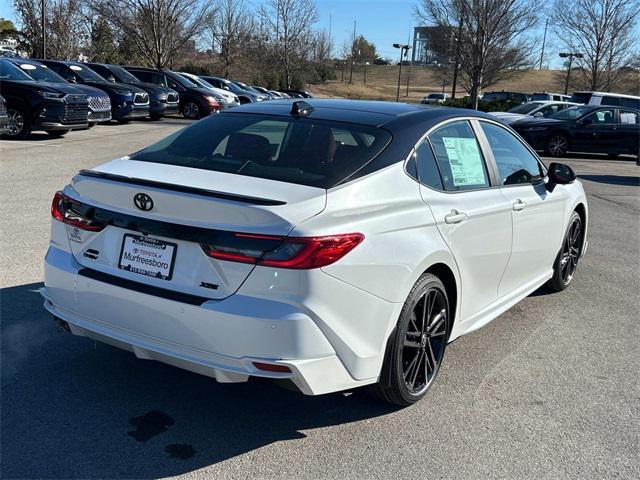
(72, 408)
(612, 179)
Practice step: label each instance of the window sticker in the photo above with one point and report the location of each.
(465, 160)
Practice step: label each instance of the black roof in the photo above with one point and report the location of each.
(373, 113)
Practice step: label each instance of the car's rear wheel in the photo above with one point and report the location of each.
(557, 145)
(416, 350)
(19, 125)
(155, 117)
(567, 260)
(191, 110)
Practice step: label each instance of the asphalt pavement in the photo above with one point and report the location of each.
(550, 389)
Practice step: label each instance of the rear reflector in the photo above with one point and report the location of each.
(285, 252)
(74, 213)
(270, 367)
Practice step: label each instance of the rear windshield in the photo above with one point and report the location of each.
(580, 97)
(571, 113)
(525, 108)
(305, 151)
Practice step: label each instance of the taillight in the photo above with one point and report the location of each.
(285, 252)
(74, 213)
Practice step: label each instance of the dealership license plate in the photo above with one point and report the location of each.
(147, 256)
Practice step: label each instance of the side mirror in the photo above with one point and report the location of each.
(538, 114)
(586, 122)
(559, 174)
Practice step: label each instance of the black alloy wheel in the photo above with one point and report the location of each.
(557, 145)
(191, 110)
(569, 255)
(417, 349)
(424, 341)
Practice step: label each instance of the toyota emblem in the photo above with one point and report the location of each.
(143, 201)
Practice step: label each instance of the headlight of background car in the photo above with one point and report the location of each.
(164, 96)
(46, 94)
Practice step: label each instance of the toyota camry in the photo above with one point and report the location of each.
(331, 243)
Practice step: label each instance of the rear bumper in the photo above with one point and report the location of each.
(220, 339)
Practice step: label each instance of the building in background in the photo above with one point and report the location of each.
(432, 45)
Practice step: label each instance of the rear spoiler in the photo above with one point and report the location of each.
(181, 188)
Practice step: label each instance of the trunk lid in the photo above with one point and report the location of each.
(189, 206)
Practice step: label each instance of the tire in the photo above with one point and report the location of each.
(58, 133)
(155, 117)
(613, 155)
(557, 145)
(91, 125)
(191, 110)
(124, 121)
(564, 268)
(19, 123)
(416, 348)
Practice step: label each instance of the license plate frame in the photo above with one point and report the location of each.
(153, 249)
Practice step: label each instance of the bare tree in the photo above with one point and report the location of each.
(291, 22)
(490, 36)
(158, 28)
(603, 31)
(229, 31)
(323, 46)
(65, 27)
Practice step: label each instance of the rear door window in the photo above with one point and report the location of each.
(289, 149)
(459, 157)
(628, 117)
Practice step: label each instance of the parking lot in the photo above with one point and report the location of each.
(550, 389)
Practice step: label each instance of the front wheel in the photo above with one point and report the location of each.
(566, 262)
(191, 110)
(155, 117)
(558, 145)
(19, 125)
(416, 350)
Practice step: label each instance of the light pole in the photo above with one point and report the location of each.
(44, 33)
(404, 50)
(570, 56)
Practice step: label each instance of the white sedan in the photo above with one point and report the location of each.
(536, 109)
(331, 243)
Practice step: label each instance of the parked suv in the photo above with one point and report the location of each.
(195, 102)
(225, 98)
(4, 118)
(162, 100)
(244, 96)
(506, 97)
(99, 103)
(127, 101)
(606, 98)
(55, 108)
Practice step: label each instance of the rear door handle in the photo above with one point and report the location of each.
(455, 217)
(519, 205)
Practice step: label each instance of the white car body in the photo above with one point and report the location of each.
(434, 98)
(327, 327)
(228, 98)
(543, 109)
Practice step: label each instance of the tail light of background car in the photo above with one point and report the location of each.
(285, 252)
(76, 214)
